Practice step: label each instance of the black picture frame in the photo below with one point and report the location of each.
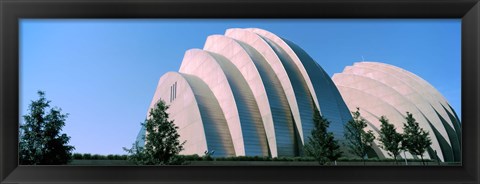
(12, 10)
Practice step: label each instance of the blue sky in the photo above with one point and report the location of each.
(104, 72)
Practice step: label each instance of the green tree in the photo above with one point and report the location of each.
(390, 139)
(136, 154)
(41, 142)
(415, 139)
(162, 143)
(358, 140)
(321, 144)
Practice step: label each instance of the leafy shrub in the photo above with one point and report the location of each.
(95, 157)
(110, 157)
(381, 160)
(195, 157)
(87, 156)
(77, 156)
(178, 160)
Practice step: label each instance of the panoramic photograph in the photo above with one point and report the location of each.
(240, 92)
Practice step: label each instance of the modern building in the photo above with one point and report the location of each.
(380, 89)
(249, 92)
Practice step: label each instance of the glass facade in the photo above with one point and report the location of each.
(332, 107)
(254, 137)
(281, 114)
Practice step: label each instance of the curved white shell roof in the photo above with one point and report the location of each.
(238, 56)
(187, 104)
(263, 95)
(320, 87)
(251, 92)
(272, 58)
(380, 89)
(201, 64)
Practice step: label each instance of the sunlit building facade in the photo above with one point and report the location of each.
(249, 92)
(380, 89)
